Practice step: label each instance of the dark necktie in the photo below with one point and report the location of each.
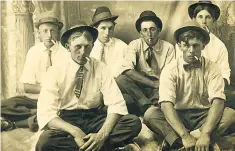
(49, 62)
(102, 53)
(79, 81)
(192, 66)
(149, 56)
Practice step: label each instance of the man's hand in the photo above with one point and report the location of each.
(189, 142)
(94, 142)
(79, 141)
(203, 143)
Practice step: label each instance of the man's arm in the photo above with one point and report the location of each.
(136, 76)
(173, 119)
(76, 132)
(32, 88)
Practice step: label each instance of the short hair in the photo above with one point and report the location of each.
(79, 33)
(204, 7)
(190, 34)
(112, 20)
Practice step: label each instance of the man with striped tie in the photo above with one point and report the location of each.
(20, 111)
(71, 100)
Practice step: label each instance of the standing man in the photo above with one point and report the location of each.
(191, 97)
(19, 111)
(72, 95)
(107, 48)
(143, 63)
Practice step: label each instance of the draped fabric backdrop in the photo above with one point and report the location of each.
(172, 13)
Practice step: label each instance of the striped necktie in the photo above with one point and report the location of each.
(102, 53)
(49, 62)
(149, 56)
(79, 81)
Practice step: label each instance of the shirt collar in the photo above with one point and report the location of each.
(107, 44)
(54, 48)
(156, 47)
(76, 66)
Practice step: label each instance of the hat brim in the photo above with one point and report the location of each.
(113, 17)
(192, 7)
(66, 35)
(59, 24)
(155, 19)
(181, 30)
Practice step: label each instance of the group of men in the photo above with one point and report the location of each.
(87, 90)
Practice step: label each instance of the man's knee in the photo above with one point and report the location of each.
(134, 124)
(227, 121)
(151, 114)
(44, 142)
(123, 80)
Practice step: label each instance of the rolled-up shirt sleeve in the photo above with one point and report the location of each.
(29, 72)
(129, 61)
(112, 96)
(215, 83)
(48, 102)
(167, 88)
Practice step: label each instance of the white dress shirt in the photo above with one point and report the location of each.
(217, 52)
(114, 52)
(36, 62)
(194, 88)
(57, 92)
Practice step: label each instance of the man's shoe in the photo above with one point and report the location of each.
(132, 146)
(164, 146)
(7, 125)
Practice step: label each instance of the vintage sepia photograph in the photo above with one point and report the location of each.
(117, 75)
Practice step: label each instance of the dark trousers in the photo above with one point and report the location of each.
(230, 97)
(20, 108)
(89, 121)
(138, 97)
(192, 119)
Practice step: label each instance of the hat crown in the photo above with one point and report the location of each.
(191, 23)
(79, 24)
(205, 1)
(101, 10)
(147, 13)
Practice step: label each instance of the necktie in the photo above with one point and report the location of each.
(79, 81)
(149, 56)
(192, 66)
(49, 62)
(102, 53)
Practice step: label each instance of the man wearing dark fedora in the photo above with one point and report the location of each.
(142, 65)
(107, 48)
(191, 114)
(72, 95)
(20, 111)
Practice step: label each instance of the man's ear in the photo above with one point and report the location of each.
(67, 46)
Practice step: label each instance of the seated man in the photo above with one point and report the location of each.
(107, 48)
(191, 97)
(143, 63)
(20, 111)
(72, 95)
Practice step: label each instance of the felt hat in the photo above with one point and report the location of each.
(148, 15)
(80, 26)
(48, 17)
(102, 13)
(214, 7)
(191, 25)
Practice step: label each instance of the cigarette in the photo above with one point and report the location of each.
(88, 59)
(196, 57)
(53, 41)
(207, 29)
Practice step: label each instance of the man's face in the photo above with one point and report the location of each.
(204, 19)
(106, 30)
(48, 32)
(149, 32)
(80, 48)
(191, 49)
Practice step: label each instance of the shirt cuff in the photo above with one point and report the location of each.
(217, 95)
(43, 121)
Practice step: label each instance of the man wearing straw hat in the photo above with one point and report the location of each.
(19, 111)
(107, 48)
(142, 64)
(72, 95)
(191, 97)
